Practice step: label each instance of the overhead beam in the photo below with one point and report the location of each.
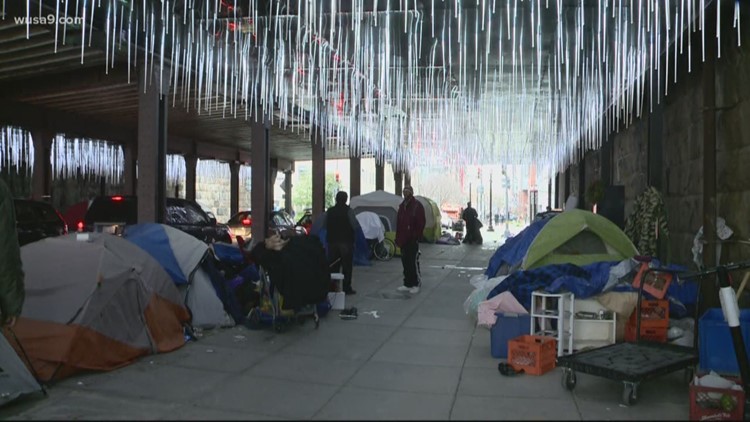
(35, 117)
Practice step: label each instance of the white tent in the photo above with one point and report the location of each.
(382, 203)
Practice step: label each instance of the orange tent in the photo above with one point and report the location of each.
(95, 304)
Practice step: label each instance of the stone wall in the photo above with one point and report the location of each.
(630, 160)
(681, 171)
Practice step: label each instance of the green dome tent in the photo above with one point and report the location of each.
(431, 230)
(578, 237)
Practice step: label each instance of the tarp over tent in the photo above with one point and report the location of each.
(15, 378)
(432, 229)
(578, 237)
(185, 259)
(372, 227)
(95, 304)
(511, 253)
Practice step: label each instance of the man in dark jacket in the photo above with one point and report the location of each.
(12, 293)
(409, 228)
(341, 224)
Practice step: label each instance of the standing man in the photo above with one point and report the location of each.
(341, 224)
(470, 217)
(409, 228)
(12, 293)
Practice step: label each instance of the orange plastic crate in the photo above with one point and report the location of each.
(658, 335)
(707, 403)
(534, 354)
(654, 314)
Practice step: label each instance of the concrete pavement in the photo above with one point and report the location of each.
(416, 358)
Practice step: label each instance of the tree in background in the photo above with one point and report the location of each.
(302, 191)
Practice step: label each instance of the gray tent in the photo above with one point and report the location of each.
(15, 378)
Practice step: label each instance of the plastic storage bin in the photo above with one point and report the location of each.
(715, 348)
(508, 326)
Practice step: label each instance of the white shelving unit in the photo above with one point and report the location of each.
(547, 308)
(593, 332)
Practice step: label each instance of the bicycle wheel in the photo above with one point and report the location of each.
(385, 250)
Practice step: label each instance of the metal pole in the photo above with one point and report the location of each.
(490, 228)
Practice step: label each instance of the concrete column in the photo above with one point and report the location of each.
(42, 174)
(130, 158)
(152, 152)
(191, 175)
(234, 187)
(399, 180)
(288, 191)
(355, 176)
(318, 173)
(379, 176)
(260, 157)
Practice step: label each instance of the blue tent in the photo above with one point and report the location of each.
(361, 248)
(185, 259)
(514, 249)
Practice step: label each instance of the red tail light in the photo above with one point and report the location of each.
(117, 198)
(80, 226)
(247, 222)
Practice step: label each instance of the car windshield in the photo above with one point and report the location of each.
(185, 213)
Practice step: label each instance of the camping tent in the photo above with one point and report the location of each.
(432, 229)
(97, 303)
(372, 227)
(15, 379)
(382, 203)
(578, 237)
(185, 259)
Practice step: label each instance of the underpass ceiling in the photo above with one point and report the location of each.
(438, 82)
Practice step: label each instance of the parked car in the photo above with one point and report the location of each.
(110, 213)
(37, 220)
(241, 224)
(306, 221)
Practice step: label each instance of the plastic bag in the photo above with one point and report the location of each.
(478, 280)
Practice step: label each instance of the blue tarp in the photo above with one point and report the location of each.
(514, 249)
(588, 281)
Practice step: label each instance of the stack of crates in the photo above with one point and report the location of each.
(654, 322)
(536, 355)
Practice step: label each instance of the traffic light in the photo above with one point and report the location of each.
(338, 177)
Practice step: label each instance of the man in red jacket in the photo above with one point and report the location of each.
(409, 228)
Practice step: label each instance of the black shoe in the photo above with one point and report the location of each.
(350, 292)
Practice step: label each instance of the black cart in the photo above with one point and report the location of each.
(633, 363)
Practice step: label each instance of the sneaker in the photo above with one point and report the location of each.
(350, 292)
(414, 290)
(403, 289)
